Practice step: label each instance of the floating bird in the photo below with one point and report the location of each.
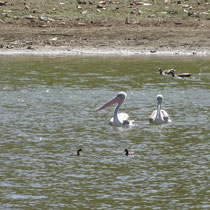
(78, 153)
(180, 75)
(129, 153)
(119, 119)
(159, 115)
(166, 72)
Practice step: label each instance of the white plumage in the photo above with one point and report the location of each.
(119, 119)
(159, 115)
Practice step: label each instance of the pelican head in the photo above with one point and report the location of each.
(159, 98)
(121, 96)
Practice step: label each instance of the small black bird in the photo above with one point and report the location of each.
(78, 153)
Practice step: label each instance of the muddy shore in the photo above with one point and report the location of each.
(153, 38)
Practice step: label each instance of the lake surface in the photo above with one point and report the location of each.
(48, 109)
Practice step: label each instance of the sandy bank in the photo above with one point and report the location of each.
(65, 51)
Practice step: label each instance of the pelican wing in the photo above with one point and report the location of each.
(123, 118)
(153, 116)
(165, 116)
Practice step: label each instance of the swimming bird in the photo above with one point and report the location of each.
(159, 115)
(166, 72)
(119, 119)
(129, 153)
(182, 75)
(78, 153)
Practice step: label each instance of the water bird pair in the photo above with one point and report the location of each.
(122, 119)
(79, 150)
(172, 72)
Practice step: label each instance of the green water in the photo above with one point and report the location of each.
(47, 109)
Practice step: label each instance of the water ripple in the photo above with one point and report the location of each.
(48, 109)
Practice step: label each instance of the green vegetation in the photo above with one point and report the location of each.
(106, 10)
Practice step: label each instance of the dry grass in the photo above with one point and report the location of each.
(151, 24)
(106, 11)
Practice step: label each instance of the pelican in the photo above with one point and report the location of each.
(159, 115)
(119, 119)
(180, 75)
(166, 72)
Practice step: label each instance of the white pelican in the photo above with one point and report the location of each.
(159, 115)
(180, 75)
(78, 153)
(119, 119)
(166, 72)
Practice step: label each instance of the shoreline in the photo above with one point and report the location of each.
(114, 28)
(63, 51)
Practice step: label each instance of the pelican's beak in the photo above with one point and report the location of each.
(109, 103)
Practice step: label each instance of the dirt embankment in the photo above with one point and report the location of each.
(151, 34)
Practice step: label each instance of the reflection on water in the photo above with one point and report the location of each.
(48, 109)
